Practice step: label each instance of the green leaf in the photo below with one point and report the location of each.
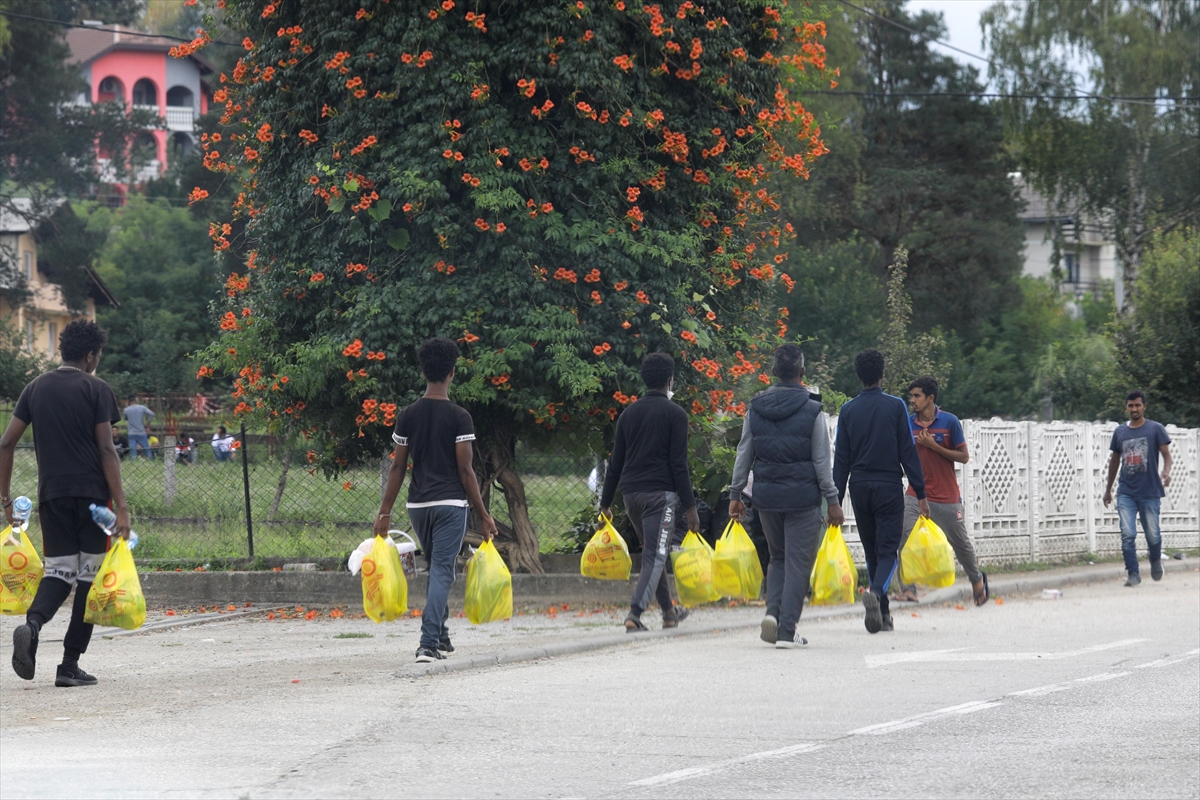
(336, 204)
(656, 316)
(697, 297)
(666, 326)
(350, 185)
(381, 210)
(398, 239)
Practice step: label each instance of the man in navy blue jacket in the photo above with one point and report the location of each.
(874, 449)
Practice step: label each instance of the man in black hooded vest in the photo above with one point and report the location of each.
(785, 439)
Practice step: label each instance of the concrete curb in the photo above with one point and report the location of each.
(951, 594)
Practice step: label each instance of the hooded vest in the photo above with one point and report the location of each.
(781, 422)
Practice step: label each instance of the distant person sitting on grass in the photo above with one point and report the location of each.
(437, 435)
(1136, 446)
(185, 449)
(120, 442)
(72, 413)
(650, 464)
(222, 445)
(136, 416)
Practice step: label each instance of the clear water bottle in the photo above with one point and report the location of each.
(22, 510)
(105, 518)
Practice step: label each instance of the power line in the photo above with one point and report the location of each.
(992, 63)
(124, 32)
(997, 95)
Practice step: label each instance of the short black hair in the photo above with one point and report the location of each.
(868, 366)
(789, 362)
(1136, 394)
(80, 338)
(221, 429)
(438, 357)
(657, 370)
(927, 384)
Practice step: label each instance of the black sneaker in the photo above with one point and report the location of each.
(73, 676)
(887, 623)
(445, 646)
(1156, 570)
(770, 629)
(427, 654)
(24, 657)
(1134, 579)
(874, 618)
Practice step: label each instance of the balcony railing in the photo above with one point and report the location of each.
(180, 118)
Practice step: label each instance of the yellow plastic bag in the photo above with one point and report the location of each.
(489, 587)
(736, 571)
(606, 556)
(20, 572)
(834, 576)
(692, 563)
(927, 558)
(116, 598)
(385, 591)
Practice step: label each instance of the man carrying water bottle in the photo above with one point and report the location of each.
(72, 413)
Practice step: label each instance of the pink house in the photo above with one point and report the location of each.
(120, 63)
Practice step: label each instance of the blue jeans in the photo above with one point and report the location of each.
(440, 531)
(1128, 509)
(223, 455)
(142, 441)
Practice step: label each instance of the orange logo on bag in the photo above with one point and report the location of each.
(18, 561)
(110, 580)
(368, 567)
(606, 538)
(591, 558)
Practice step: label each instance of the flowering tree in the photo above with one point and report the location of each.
(563, 187)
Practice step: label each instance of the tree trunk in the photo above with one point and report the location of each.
(494, 458)
(1131, 239)
(285, 461)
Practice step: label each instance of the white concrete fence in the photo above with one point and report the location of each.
(1033, 491)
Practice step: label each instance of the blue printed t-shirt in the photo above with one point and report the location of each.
(941, 482)
(1138, 449)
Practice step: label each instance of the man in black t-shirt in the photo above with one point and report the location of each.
(72, 413)
(437, 435)
(650, 463)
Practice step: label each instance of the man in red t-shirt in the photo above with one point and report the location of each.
(940, 445)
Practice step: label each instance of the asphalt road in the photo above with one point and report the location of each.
(1093, 695)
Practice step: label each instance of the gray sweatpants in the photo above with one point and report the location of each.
(793, 538)
(652, 515)
(948, 517)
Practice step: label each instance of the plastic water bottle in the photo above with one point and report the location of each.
(105, 518)
(22, 509)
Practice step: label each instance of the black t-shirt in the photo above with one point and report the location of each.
(431, 429)
(65, 406)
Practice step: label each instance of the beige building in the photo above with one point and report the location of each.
(41, 319)
(1087, 253)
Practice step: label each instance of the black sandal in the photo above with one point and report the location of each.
(634, 625)
(678, 615)
(987, 595)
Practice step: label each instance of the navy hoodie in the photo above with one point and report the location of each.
(875, 443)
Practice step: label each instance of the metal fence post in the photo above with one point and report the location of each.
(170, 487)
(246, 487)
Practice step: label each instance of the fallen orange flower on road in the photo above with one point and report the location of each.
(170, 613)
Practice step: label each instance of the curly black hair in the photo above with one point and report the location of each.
(868, 366)
(438, 357)
(789, 362)
(657, 370)
(80, 338)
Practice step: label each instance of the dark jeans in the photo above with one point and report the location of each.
(794, 538)
(652, 515)
(74, 547)
(879, 514)
(440, 530)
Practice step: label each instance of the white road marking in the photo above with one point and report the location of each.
(917, 720)
(695, 772)
(887, 659)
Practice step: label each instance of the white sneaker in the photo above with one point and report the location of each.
(770, 626)
(791, 644)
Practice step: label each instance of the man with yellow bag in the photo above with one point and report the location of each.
(785, 439)
(437, 434)
(873, 451)
(72, 413)
(650, 463)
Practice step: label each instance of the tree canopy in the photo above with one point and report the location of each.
(563, 188)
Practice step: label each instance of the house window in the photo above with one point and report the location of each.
(28, 265)
(1071, 268)
(144, 93)
(52, 337)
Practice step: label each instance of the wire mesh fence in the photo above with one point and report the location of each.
(188, 505)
